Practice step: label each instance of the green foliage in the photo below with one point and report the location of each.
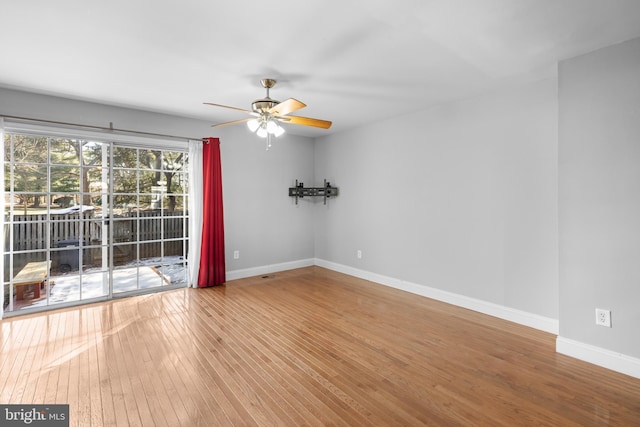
(68, 168)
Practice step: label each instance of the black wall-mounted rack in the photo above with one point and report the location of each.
(299, 191)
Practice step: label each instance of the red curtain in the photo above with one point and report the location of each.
(212, 263)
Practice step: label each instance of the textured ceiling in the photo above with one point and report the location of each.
(350, 61)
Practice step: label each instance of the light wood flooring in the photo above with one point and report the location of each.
(301, 347)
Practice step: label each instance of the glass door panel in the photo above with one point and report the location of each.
(88, 220)
(53, 231)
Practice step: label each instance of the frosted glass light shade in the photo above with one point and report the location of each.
(253, 125)
(278, 131)
(262, 132)
(272, 126)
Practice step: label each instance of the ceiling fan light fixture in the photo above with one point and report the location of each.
(253, 125)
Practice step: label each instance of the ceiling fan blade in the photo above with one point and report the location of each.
(226, 106)
(285, 107)
(306, 121)
(234, 122)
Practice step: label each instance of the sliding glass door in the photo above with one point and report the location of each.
(88, 220)
(149, 218)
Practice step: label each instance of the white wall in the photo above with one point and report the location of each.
(600, 197)
(261, 221)
(461, 198)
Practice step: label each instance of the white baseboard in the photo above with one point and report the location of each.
(599, 356)
(517, 316)
(266, 269)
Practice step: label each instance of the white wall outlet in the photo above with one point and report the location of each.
(359, 254)
(603, 317)
(236, 254)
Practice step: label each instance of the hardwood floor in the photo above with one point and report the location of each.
(301, 347)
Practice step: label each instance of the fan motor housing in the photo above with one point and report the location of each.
(263, 104)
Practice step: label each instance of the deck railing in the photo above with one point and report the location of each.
(40, 231)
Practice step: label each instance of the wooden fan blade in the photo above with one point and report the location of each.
(306, 121)
(285, 107)
(234, 122)
(226, 106)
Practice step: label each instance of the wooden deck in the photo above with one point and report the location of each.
(304, 347)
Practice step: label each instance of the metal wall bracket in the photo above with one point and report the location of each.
(299, 191)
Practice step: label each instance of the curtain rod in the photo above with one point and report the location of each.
(102, 128)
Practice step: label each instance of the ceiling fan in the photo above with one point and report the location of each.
(267, 113)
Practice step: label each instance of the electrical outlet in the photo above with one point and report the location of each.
(236, 254)
(359, 254)
(603, 317)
